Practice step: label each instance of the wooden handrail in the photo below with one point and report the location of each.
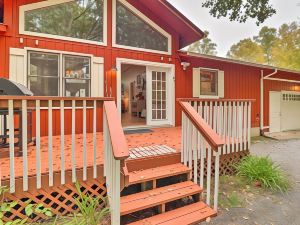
(53, 98)
(214, 100)
(118, 140)
(207, 132)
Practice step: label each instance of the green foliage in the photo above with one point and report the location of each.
(263, 171)
(266, 39)
(240, 10)
(30, 209)
(204, 46)
(90, 210)
(81, 19)
(286, 52)
(280, 48)
(246, 50)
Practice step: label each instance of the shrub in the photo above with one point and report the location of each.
(263, 171)
(30, 209)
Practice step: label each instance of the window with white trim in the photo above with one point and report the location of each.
(134, 30)
(77, 20)
(47, 78)
(208, 83)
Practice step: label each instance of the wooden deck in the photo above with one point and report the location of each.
(170, 137)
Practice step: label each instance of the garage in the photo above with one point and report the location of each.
(284, 111)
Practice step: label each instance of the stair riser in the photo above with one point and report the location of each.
(170, 199)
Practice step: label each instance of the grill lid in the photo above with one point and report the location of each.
(8, 87)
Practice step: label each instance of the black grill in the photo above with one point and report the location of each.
(11, 88)
(8, 87)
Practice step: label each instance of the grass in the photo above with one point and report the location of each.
(263, 172)
(233, 192)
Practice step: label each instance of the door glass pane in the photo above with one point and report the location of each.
(158, 96)
(43, 73)
(82, 19)
(133, 31)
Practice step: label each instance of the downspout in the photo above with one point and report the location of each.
(262, 78)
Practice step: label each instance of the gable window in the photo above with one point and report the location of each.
(133, 30)
(46, 78)
(74, 20)
(208, 83)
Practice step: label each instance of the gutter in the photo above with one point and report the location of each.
(262, 78)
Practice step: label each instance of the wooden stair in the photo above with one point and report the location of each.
(154, 174)
(159, 197)
(190, 214)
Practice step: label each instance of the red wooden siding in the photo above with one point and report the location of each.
(241, 81)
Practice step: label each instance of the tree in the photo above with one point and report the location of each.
(204, 46)
(247, 50)
(286, 52)
(240, 10)
(266, 39)
(78, 19)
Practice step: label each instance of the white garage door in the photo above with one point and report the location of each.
(290, 111)
(284, 111)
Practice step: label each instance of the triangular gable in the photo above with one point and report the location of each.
(133, 30)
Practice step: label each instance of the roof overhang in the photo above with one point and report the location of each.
(166, 12)
(185, 55)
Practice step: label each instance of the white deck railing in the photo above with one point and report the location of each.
(46, 112)
(231, 119)
(115, 153)
(200, 146)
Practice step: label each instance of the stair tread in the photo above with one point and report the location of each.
(190, 214)
(158, 196)
(157, 173)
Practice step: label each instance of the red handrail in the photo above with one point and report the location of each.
(118, 140)
(207, 132)
(214, 100)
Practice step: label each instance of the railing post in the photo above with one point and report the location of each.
(115, 152)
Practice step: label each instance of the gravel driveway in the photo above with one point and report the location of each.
(271, 209)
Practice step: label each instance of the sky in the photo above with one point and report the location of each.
(224, 32)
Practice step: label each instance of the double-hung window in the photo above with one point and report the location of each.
(208, 83)
(51, 74)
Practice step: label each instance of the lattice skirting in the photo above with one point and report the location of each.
(227, 163)
(60, 199)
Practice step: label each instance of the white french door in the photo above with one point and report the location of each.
(159, 96)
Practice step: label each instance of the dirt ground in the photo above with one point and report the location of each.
(269, 208)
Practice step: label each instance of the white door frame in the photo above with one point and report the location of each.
(270, 102)
(120, 61)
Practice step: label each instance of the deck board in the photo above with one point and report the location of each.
(159, 136)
